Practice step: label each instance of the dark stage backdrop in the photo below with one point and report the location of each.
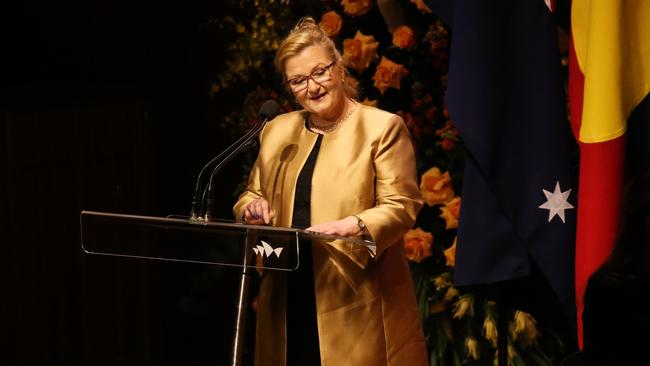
(104, 106)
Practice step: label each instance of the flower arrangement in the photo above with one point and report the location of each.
(359, 51)
(403, 37)
(356, 8)
(331, 23)
(417, 245)
(399, 66)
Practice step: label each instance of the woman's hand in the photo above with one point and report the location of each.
(258, 212)
(344, 227)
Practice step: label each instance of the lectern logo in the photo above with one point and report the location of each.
(265, 250)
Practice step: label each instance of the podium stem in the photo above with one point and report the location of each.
(242, 302)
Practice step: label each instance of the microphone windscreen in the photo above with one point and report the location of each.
(269, 109)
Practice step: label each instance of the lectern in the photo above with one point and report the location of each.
(222, 243)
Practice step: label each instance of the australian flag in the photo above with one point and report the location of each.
(506, 97)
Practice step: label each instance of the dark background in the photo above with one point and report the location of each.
(104, 106)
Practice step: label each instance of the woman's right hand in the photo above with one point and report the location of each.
(258, 212)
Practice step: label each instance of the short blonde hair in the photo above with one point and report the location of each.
(304, 34)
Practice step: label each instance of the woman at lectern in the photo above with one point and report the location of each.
(335, 167)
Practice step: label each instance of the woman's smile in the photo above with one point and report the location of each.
(318, 97)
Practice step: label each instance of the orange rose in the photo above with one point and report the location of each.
(352, 82)
(331, 23)
(417, 244)
(451, 213)
(450, 254)
(388, 75)
(422, 7)
(359, 51)
(403, 37)
(356, 7)
(436, 187)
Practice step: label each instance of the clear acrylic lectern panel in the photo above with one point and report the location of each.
(183, 240)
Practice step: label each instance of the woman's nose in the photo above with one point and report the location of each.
(313, 87)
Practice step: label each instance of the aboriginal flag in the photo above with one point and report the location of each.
(609, 76)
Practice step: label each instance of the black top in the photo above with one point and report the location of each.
(302, 329)
(302, 201)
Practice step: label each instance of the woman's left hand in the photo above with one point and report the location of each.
(344, 227)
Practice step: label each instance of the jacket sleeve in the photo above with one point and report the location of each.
(397, 196)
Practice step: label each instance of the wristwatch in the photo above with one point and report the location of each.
(361, 224)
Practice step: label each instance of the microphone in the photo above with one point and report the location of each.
(267, 112)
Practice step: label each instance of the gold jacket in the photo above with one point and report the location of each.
(365, 304)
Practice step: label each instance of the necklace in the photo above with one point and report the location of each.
(334, 125)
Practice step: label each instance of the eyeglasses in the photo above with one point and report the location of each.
(319, 75)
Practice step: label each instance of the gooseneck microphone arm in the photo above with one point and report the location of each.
(208, 193)
(267, 112)
(195, 211)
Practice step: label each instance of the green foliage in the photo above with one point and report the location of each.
(256, 33)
